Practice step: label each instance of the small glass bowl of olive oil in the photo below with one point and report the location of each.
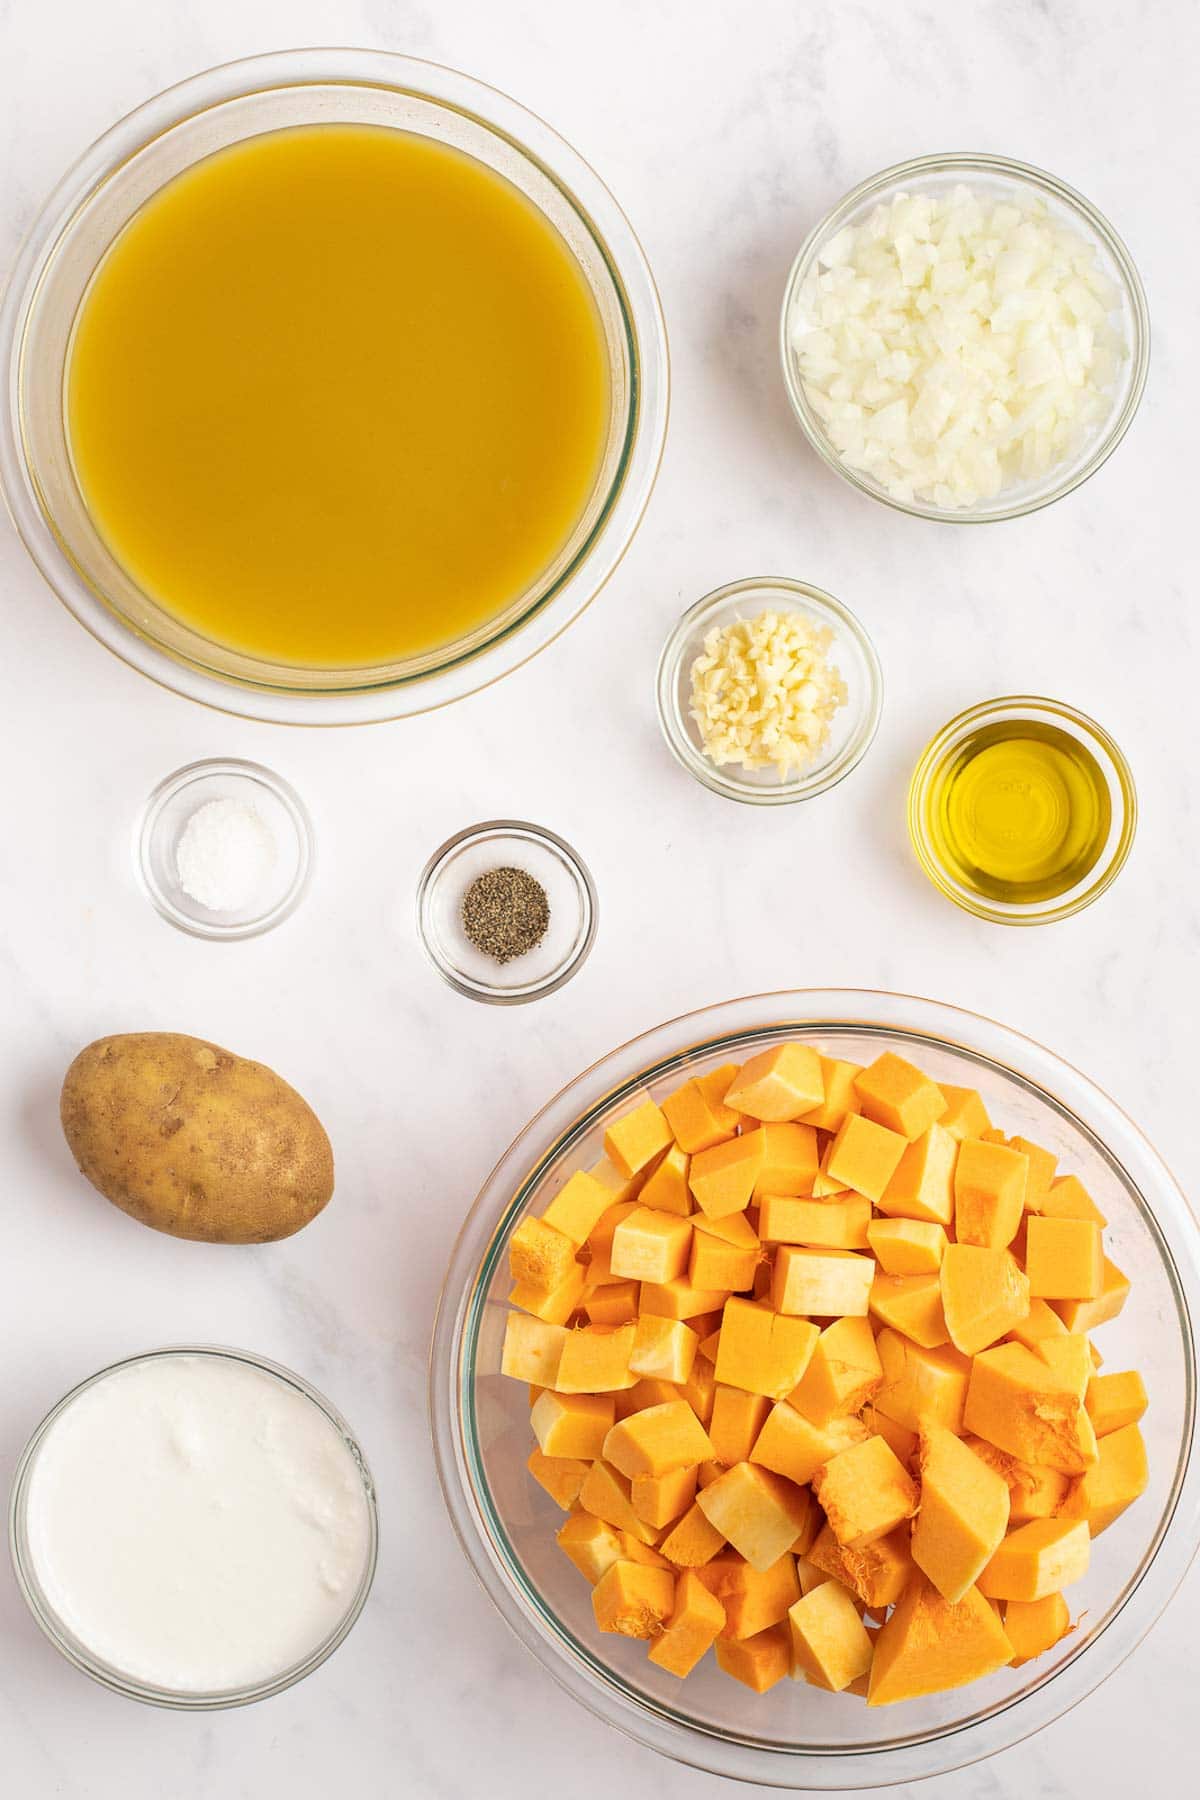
(1022, 810)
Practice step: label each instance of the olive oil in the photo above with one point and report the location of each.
(1019, 812)
(338, 396)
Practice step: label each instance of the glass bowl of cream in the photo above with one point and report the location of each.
(194, 1528)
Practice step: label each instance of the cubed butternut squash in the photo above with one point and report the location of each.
(920, 1384)
(1086, 1315)
(984, 1294)
(794, 1447)
(789, 1160)
(722, 1179)
(963, 1515)
(691, 1629)
(737, 1419)
(635, 1140)
(1116, 1479)
(865, 1492)
(693, 1121)
(989, 1193)
(778, 1084)
(1035, 1626)
(578, 1207)
(693, 1541)
(553, 1305)
(758, 1512)
(1115, 1400)
(532, 1349)
(1037, 1559)
(864, 1156)
(572, 1424)
(657, 1440)
(659, 1500)
(667, 1189)
(928, 1644)
(561, 1476)
(829, 1283)
(841, 1095)
(595, 1361)
(907, 1246)
(762, 1351)
(912, 1306)
(922, 1185)
(895, 1093)
(965, 1115)
(830, 1645)
(633, 1599)
(1017, 1402)
(591, 1545)
(757, 1662)
(1063, 1258)
(843, 1372)
(663, 1349)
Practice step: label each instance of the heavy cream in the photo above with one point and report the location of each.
(197, 1523)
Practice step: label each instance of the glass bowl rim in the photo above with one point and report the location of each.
(292, 804)
(538, 625)
(557, 978)
(1089, 732)
(799, 596)
(1006, 167)
(982, 1040)
(106, 1674)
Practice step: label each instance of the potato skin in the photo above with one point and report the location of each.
(193, 1140)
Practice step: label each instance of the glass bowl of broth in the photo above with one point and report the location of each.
(797, 1736)
(1022, 810)
(339, 387)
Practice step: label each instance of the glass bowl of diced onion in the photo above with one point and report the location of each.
(840, 645)
(797, 1736)
(965, 338)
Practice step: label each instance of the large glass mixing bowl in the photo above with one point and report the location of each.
(166, 136)
(796, 1736)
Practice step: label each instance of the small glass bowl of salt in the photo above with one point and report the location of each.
(224, 849)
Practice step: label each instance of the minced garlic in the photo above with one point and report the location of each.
(764, 691)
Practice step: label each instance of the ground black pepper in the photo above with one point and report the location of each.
(505, 913)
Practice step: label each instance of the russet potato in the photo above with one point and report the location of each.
(193, 1140)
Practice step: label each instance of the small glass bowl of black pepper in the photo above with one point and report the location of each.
(506, 911)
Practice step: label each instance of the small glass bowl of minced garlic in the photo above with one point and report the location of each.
(769, 691)
(506, 911)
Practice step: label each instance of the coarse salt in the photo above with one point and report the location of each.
(224, 856)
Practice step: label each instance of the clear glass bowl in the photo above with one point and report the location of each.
(1122, 795)
(570, 891)
(997, 176)
(853, 654)
(78, 1653)
(795, 1736)
(158, 141)
(283, 815)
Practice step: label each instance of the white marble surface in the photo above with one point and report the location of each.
(725, 130)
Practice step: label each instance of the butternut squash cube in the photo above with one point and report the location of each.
(1042, 1167)
(1037, 1559)
(1018, 1403)
(897, 1094)
(830, 1644)
(607, 1495)
(648, 1390)
(692, 1629)
(698, 1388)
(1041, 1321)
(1064, 1258)
(659, 1500)
(539, 1256)
(920, 1384)
(614, 1303)
(715, 1086)
(907, 1246)
(663, 1349)
(555, 1305)
(865, 1491)
(595, 1361)
(1070, 1357)
(817, 1224)
(789, 1160)
(600, 1242)
(1115, 1400)
(715, 1263)
(1034, 1492)
(757, 1511)
(911, 1305)
(1035, 1626)
(693, 1541)
(928, 1644)
(761, 1351)
(841, 1095)
(679, 1299)
(754, 1599)
(650, 1246)
(984, 1293)
(737, 1419)
(532, 1349)
(792, 1446)
(633, 1599)
(842, 1374)
(561, 1476)
(658, 1440)
(693, 1122)
(965, 1115)
(1067, 1198)
(989, 1193)
(903, 1441)
(922, 1185)
(877, 1573)
(591, 1545)
(667, 1189)
(757, 1662)
(722, 1179)
(778, 1084)
(620, 1187)
(1086, 1315)
(1114, 1481)
(578, 1207)
(963, 1515)
(864, 1156)
(633, 1141)
(830, 1283)
(573, 1424)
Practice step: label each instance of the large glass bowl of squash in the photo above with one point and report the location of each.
(338, 386)
(813, 1388)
